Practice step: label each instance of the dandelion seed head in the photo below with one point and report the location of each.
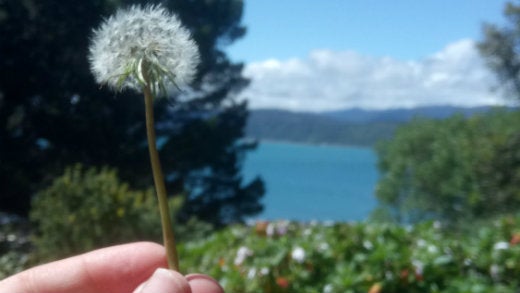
(147, 34)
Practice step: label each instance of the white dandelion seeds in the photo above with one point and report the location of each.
(149, 38)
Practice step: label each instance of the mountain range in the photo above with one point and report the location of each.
(354, 127)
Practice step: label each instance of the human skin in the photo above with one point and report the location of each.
(116, 269)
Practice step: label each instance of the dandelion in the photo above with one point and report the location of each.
(146, 50)
(141, 47)
(298, 254)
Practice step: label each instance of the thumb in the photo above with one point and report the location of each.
(164, 281)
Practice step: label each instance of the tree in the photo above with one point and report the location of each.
(501, 49)
(455, 170)
(460, 169)
(52, 114)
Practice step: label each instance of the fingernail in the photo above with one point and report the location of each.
(164, 281)
(140, 288)
(203, 283)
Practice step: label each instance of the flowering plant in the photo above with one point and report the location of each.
(143, 47)
(361, 257)
(146, 49)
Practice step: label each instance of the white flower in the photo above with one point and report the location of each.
(251, 274)
(323, 246)
(432, 249)
(419, 266)
(269, 231)
(242, 253)
(502, 245)
(264, 271)
(282, 227)
(389, 275)
(494, 271)
(328, 288)
(139, 46)
(298, 254)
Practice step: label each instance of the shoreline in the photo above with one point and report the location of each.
(313, 144)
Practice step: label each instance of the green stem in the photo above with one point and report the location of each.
(158, 177)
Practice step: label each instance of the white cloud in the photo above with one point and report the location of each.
(329, 80)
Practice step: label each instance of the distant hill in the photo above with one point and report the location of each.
(347, 127)
(357, 115)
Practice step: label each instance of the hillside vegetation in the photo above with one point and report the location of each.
(355, 127)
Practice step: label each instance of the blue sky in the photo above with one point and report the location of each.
(404, 29)
(300, 42)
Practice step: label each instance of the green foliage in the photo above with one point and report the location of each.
(344, 257)
(282, 125)
(87, 209)
(357, 257)
(500, 48)
(456, 169)
(14, 244)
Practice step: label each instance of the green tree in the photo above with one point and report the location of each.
(501, 48)
(460, 169)
(455, 170)
(52, 114)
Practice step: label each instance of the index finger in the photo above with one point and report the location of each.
(117, 269)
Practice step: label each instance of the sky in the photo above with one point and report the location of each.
(323, 55)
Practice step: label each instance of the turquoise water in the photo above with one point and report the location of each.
(308, 182)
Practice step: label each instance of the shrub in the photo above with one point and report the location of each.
(87, 209)
(14, 244)
(360, 257)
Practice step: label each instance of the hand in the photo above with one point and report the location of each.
(117, 269)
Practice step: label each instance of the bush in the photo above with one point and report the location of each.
(87, 209)
(14, 244)
(361, 257)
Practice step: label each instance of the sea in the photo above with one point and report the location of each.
(314, 182)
